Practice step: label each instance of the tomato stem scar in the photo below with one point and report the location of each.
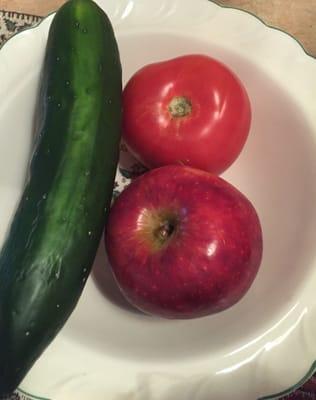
(180, 106)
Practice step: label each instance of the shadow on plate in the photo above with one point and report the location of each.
(105, 282)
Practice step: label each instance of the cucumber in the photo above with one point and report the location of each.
(51, 245)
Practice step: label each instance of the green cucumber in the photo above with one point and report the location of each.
(49, 251)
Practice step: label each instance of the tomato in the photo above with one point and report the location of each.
(192, 110)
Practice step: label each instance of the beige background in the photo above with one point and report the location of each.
(297, 17)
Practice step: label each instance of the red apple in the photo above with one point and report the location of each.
(183, 243)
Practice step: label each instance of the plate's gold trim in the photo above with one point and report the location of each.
(30, 396)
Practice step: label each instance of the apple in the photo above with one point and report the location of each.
(183, 243)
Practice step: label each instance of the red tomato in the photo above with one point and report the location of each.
(191, 110)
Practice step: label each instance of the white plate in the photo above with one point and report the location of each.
(264, 344)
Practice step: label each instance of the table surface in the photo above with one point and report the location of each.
(297, 17)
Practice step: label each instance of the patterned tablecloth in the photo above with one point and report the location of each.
(13, 22)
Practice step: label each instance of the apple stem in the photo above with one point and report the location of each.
(164, 231)
(180, 107)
